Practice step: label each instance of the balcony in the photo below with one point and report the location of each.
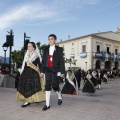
(111, 56)
(116, 58)
(72, 55)
(108, 56)
(83, 55)
(98, 55)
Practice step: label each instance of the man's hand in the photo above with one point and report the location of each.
(62, 75)
(41, 75)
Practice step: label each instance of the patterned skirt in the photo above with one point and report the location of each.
(88, 87)
(68, 89)
(30, 86)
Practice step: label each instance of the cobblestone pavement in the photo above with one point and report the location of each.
(103, 105)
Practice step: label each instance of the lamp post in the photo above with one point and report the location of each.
(5, 48)
(0, 63)
(24, 42)
(10, 42)
(86, 65)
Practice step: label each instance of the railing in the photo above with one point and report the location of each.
(98, 54)
(83, 54)
(102, 55)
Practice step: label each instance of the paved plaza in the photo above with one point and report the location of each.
(104, 105)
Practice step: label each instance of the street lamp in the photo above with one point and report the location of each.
(5, 48)
(0, 62)
(25, 43)
(86, 66)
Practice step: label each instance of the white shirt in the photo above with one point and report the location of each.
(51, 50)
(99, 75)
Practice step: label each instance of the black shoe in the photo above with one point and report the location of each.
(59, 102)
(45, 107)
(25, 105)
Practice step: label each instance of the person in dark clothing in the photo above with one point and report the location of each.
(83, 76)
(53, 68)
(78, 77)
(89, 85)
(30, 87)
(94, 77)
(70, 86)
(99, 79)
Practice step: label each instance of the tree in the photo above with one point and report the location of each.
(17, 57)
(41, 47)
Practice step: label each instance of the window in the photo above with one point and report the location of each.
(84, 48)
(116, 51)
(98, 48)
(108, 50)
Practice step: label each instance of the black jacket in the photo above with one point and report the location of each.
(101, 75)
(58, 60)
(78, 75)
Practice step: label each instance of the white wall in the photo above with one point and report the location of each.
(91, 46)
(77, 45)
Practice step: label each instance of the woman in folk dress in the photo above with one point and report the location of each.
(31, 87)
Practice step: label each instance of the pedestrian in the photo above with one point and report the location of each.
(31, 87)
(99, 79)
(88, 86)
(70, 86)
(83, 76)
(105, 78)
(78, 77)
(53, 67)
(94, 78)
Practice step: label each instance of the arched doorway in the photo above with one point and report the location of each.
(98, 64)
(107, 65)
(116, 65)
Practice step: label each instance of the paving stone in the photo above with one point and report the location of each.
(103, 105)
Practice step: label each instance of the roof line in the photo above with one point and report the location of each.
(105, 38)
(82, 37)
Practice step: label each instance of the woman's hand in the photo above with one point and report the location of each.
(41, 75)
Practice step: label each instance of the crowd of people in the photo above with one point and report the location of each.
(92, 80)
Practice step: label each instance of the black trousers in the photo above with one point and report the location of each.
(99, 82)
(78, 81)
(52, 81)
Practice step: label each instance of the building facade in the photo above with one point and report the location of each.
(94, 51)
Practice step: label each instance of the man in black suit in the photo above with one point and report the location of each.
(99, 79)
(53, 67)
(78, 77)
